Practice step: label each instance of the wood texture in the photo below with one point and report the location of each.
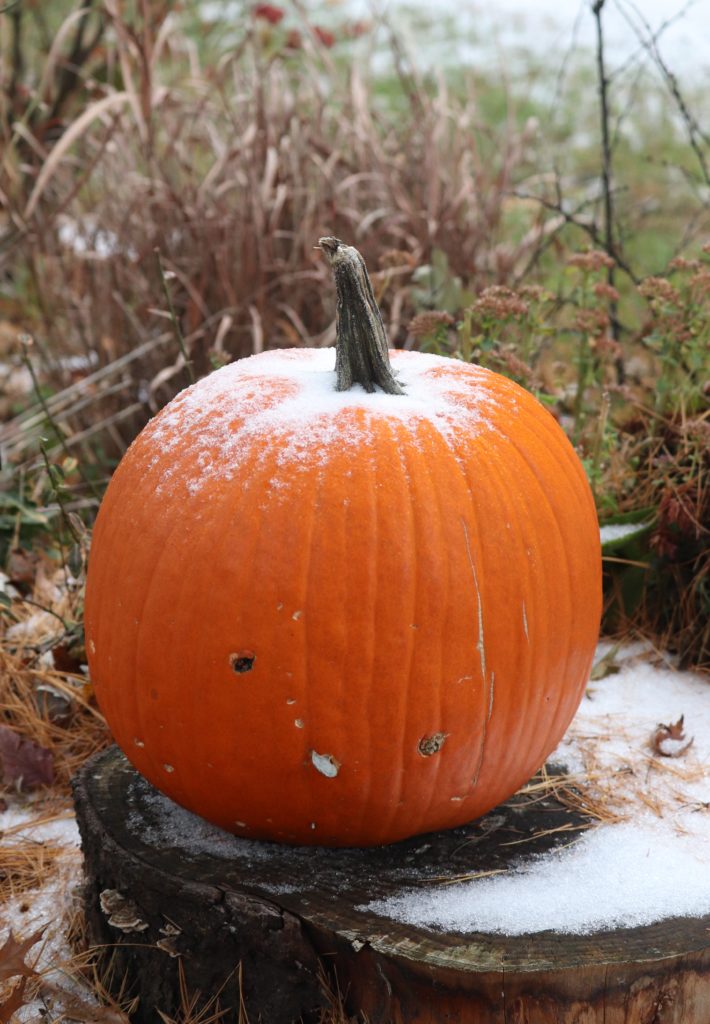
(291, 915)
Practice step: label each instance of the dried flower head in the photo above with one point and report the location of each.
(700, 283)
(679, 263)
(424, 324)
(535, 293)
(501, 303)
(660, 289)
(603, 290)
(594, 259)
(593, 322)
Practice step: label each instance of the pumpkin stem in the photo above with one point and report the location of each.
(361, 353)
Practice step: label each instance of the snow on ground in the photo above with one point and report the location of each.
(50, 907)
(649, 860)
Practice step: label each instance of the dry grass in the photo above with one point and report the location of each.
(26, 865)
(70, 744)
(232, 171)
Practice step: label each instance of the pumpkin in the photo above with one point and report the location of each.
(344, 598)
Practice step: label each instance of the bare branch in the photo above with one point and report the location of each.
(696, 137)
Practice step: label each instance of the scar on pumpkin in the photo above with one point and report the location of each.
(242, 661)
(326, 764)
(429, 745)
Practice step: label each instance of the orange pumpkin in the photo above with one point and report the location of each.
(344, 617)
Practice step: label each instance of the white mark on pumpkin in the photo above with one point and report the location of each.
(297, 615)
(490, 695)
(326, 764)
(279, 606)
(138, 743)
(481, 642)
(240, 824)
(298, 722)
(463, 679)
(313, 824)
(168, 768)
(525, 623)
(429, 745)
(481, 647)
(290, 700)
(457, 799)
(92, 646)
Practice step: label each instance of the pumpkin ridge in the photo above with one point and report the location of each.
(490, 470)
(416, 465)
(554, 719)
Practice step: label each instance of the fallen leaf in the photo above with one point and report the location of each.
(24, 763)
(14, 1002)
(13, 953)
(670, 741)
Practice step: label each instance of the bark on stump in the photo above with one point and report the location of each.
(179, 901)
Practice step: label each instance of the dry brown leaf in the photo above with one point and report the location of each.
(24, 763)
(14, 1002)
(670, 741)
(13, 953)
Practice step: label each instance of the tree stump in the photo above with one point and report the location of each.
(182, 905)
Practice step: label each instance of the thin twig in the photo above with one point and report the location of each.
(173, 317)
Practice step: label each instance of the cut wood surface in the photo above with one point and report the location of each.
(273, 921)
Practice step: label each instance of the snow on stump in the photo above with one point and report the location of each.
(271, 927)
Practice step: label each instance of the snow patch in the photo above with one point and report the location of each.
(653, 862)
(285, 401)
(616, 531)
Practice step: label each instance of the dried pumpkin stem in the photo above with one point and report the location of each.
(361, 354)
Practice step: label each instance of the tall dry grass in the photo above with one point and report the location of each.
(232, 170)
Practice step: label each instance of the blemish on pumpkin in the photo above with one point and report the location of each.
(490, 695)
(456, 799)
(480, 643)
(429, 745)
(525, 623)
(313, 824)
(168, 768)
(153, 693)
(92, 646)
(242, 661)
(297, 615)
(279, 607)
(240, 824)
(326, 764)
(290, 700)
(138, 743)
